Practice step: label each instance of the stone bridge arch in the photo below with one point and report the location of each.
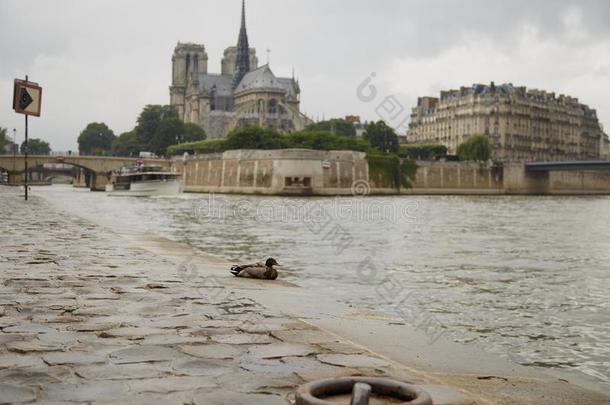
(52, 174)
(96, 168)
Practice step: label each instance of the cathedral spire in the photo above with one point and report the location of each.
(242, 62)
(243, 15)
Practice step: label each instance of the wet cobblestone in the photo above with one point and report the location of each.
(85, 318)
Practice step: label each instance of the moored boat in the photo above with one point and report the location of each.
(143, 181)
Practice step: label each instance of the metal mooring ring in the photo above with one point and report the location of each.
(313, 392)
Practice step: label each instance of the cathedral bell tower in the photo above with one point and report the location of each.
(188, 62)
(242, 61)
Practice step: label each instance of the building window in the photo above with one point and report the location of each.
(272, 106)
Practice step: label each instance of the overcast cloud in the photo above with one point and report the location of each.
(104, 60)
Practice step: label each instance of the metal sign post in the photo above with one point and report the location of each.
(25, 150)
(14, 149)
(26, 100)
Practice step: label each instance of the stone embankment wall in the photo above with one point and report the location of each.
(455, 178)
(286, 171)
(313, 172)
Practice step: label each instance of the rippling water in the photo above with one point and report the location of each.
(525, 277)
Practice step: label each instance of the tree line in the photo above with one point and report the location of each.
(36, 146)
(157, 128)
(335, 134)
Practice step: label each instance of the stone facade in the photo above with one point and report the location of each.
(522, 124)
(242, 94)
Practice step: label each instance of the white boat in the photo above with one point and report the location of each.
(143, 181)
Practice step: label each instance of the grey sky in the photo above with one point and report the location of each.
(103, 61)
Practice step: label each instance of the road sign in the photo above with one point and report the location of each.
(27, 97)
(26, 100)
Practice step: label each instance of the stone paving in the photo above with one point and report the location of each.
(85, 318)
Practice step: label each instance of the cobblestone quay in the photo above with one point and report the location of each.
(84, 317)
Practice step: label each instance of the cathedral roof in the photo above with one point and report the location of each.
(223, 83)
(291, 86)
(263, 78)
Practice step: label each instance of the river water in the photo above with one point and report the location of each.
(525, 277)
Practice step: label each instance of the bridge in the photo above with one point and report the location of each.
(97, 168)
(583, 165)
(561, 177)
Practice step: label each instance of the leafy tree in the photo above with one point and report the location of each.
(167, 133)
(336, 126)
(423, 152)
(3, 140)
(255, 138)
(127, 144)
(96, 139)
(207, 146)
(150, 119)
(192, 133)
(381, 136)
(36, 147)
(159, 127)
(476, 148)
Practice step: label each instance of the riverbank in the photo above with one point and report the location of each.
(88, 314)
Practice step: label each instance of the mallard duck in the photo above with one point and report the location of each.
(264, 271)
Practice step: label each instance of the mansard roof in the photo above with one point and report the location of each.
(263, 78)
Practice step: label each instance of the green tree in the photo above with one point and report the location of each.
(423, 152)
(96, 139)
(149, 120)
(192, 133)
(207, 146)
(381, 136)
(159, 127)
(255, 138)
(337, 126)
(167, 133)
(476, 148)
(36, 147)
(4, 141)
(127, 144)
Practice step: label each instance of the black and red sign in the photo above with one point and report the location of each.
(27, 97)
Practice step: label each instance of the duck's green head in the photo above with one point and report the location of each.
(271, 262)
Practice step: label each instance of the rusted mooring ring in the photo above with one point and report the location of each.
(311, 393)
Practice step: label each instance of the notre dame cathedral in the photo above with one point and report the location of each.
(242, 94)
